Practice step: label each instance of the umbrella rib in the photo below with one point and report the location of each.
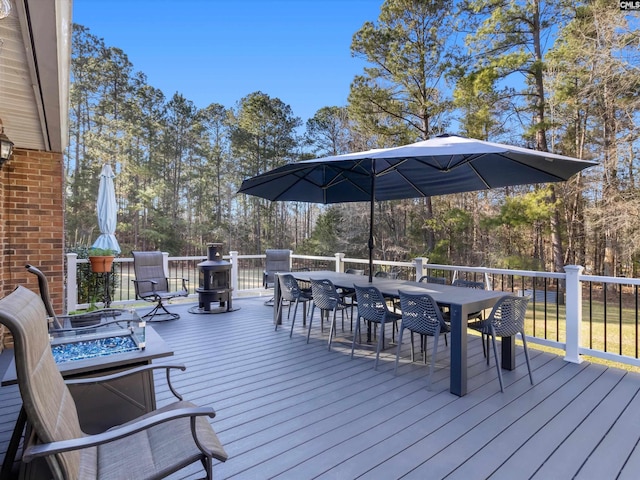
(484, 182)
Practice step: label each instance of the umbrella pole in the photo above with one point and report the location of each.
(371, 213)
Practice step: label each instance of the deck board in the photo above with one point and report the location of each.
(291, 410)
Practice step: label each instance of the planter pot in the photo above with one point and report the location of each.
(101, 264)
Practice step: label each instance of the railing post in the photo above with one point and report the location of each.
(234, 271)
(71, 301)
(165, 263)
(573, 313)
(339, 262)
(421, 265)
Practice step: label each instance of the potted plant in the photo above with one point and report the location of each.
(101, 259)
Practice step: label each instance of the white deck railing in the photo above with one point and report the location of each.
(564, 299)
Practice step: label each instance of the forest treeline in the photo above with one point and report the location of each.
(550, 75)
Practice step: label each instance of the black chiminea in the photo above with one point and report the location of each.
(215, 281)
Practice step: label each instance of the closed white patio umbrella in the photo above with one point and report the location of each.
(107, 210)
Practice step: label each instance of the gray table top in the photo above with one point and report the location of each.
(443, 294)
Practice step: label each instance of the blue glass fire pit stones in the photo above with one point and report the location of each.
(100, 347)
(126, 334)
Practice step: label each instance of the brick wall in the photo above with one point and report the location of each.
(32, 222)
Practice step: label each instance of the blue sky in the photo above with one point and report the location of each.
(218, 51)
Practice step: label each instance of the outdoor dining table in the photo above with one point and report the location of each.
(460, 301)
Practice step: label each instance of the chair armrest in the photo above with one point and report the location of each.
(45, 449)
(131, 371)
(152, 282)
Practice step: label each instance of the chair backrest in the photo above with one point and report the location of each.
(430, 279)
(149, 266)
(468, 284)
(420, 313)
(354, 271)
(276, 261)
(371, 303)
(325, 295)
(289, 287)
(508, 314)
(49, 406)
(43, 286)
(381, 274)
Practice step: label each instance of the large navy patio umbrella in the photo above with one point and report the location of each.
(107, 210)
(440, 165)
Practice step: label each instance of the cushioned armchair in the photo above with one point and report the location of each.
(276, 261)
(152, 446)
(152, 284)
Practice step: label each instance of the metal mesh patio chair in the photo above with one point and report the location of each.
(373, 308)
(506, 320)
(421, 314)
(152, 285)
(291, 292)
(473, 316)
(151, 446)
(328, 300)
(349, 294)
(430, 279)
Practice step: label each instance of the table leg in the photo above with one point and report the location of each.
(277, 312)
(508, 353)
(458, 376)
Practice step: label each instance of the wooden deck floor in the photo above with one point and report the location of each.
(291, 410)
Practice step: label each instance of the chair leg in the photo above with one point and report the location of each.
(355, 334)
(485, 348)
(380, 345)
(333, 328)
(207, 463)
(526, 356)
(313, 307)
(434, 354)
(412, 348)
(278, 312)
(160, 310)
(495, 355)
(395, 369)
(295, 312)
